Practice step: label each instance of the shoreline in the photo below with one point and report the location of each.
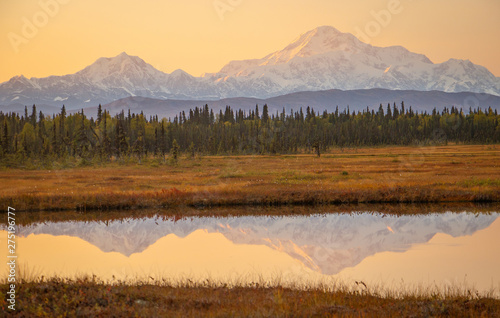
(174, 198)
(178, 213)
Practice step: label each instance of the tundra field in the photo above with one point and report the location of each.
(437, 178)
(365, 175)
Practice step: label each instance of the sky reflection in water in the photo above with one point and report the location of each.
(447, 249)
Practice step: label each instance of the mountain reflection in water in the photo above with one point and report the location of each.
(373, 247)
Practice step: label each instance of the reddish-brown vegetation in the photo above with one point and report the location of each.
(392, 175)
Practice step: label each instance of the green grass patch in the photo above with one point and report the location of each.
(231, 175)
(294, 177)
(475, 182)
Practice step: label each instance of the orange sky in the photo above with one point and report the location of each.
(203, 35)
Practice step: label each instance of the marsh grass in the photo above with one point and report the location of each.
(401, 290)
(444, 174)
(91, 296)
(475, 182)
(298, 177)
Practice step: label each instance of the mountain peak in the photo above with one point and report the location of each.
(122, 65)
(324, 31)
(179, 72)
(320, 40)
(459, 62)
(123, 54)
(19, 78)
(123, 57)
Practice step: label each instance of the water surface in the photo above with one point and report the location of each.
(446, 249)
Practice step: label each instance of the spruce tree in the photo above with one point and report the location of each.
(5, 137)
(99, 114)
(265, 114)
(105, 142)
(175, 151)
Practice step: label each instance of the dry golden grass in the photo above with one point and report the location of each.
(91, 298)
(391, 174)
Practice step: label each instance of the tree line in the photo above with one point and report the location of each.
(36, 136)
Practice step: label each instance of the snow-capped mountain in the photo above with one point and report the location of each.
(324, 243)
(325, 58)
(321, 59)
(106, 80)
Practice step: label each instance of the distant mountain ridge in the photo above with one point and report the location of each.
(321, 59)
(356, 100)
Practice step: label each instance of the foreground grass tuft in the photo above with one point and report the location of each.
(90, 297)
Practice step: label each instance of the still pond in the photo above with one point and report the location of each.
(409, 252)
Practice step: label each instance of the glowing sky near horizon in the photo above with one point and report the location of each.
(203, 35)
